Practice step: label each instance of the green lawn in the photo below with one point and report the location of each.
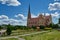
(54, 35)
(21, 32)
(10, 39)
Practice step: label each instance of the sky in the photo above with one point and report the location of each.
(15, 12)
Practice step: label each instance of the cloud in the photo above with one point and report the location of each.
(56, 15)
(47, 14)
(15, 22)
(6, 20)
(11, 2)
(54, 6)
(34, 16)
(21, 16)
(3, 17)
(56, 0)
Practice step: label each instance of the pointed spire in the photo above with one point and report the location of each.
(29, 9)
(29, 14)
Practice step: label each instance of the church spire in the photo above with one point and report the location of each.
(29, 14)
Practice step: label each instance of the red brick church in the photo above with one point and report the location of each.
(40, 20)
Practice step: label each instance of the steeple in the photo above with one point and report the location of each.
(29, 14)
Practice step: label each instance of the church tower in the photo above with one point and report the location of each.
(29, 14)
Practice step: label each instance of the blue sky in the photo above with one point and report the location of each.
(15, 11)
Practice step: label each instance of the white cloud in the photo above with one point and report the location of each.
(15, 22)
(56, 15)
(54, 6)
(47, 14)
(56, 0)
(34, 16)
(3, 17)
(21, 16)
(6, 20)
(11, 2)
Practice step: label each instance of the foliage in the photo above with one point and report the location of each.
(54, 26)
(42, 27)
(0, 27)
(9, 29)
(34, 27)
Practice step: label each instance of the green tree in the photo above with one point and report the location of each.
(0, 27)
(9, 30)
(55, 26)
(34, 27)
(42, 27)
(51, 25)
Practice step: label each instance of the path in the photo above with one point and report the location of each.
(21, 35)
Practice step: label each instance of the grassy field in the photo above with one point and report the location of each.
(21, 32)
(54, 35)
(10, 39)
(50, 35)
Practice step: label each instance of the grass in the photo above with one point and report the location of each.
(51, 35)
(21, 32)
(54, 35)
(10, 39)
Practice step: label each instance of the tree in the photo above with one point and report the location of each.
(0, 27)
(42, 27)
(55, 26)
(34, 27)
(51, 25)
(9, 30)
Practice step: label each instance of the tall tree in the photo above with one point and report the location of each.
(9, 30)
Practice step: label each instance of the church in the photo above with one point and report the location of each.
(38, 21)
